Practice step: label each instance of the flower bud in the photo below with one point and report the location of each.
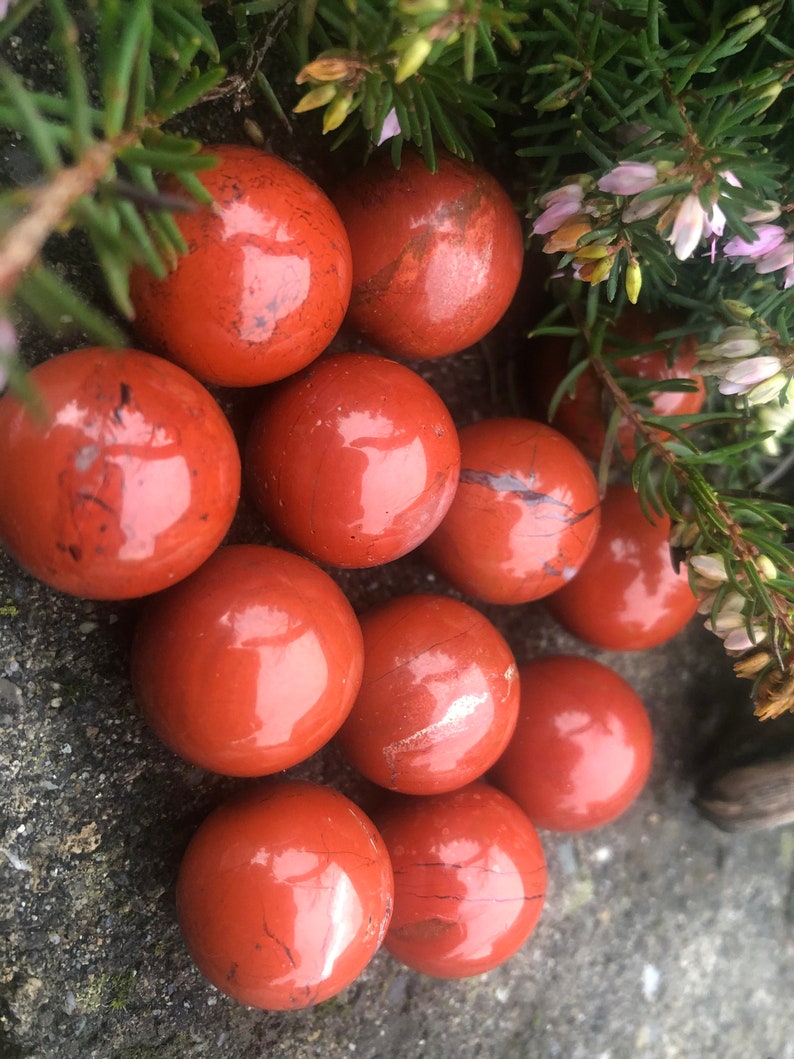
(633, 281)
(766, 95)
(684, 534)
(591, 252)
(771, 213)
(742, 377)
(737, 342)
(415, 50)
(766, 567)
(747, 14)
(315, 97)
(642, 210)
(601, 270)
(336, 112)
(629, 178)
(326, 68)
(767, 390)
(743, 639)
(750, 30)
(712, 566)
(739, 310)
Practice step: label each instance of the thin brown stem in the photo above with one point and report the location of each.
(49, 207)
(744, 551)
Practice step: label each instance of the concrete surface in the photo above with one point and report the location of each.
(662, 938)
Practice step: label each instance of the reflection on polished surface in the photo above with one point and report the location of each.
(439, 696)
(354, 461)
(284, 895)
(250, 665)
(127, 485)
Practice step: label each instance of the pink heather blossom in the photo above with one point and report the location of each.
(740, 639)
(391, 127)
(559, 205)
(687, 227)
(714, 224)
(771, 213)
(640, 211)
(770, 236)
(740, 378)
(781, 257)
(788, 277)
(629, 178)
(768, 390)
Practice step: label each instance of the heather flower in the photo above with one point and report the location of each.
(781, 257)
(642, 210)
(770, 236)
(741, 378)
(558, 205)
(629, 178)
(743, 639)
(567, 235)
(771, 213)
(711, 567)
(687, 227)
(390, 127)
(735, 342)
(768, 390)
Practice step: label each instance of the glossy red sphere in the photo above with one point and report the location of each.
(582, 748)
(439, 696)
(469, 880)
(251, 664)
(122, 481)
(525, 515)
(354, 461)
(627, 596)
(284, 895)
(584, 416)
(436, 256)
(266, 280)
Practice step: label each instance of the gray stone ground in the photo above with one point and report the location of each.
(662, 938)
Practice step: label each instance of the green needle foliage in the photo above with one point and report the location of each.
(652, 159)
(99, 143)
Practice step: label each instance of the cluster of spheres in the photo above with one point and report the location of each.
(122, 479)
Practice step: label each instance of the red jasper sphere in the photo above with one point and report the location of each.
(582, 748)
(583, 417)
(284, 895)
(436, 256)
(266, 280)
(251, 664)
(439, 696)
(469, 880)
(354, 461)
(525, 515)
(121, 480)
(627, 596)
